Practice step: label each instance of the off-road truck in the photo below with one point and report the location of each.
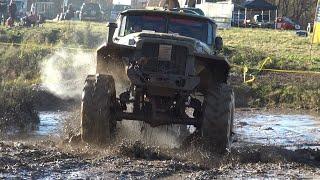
(170, 64)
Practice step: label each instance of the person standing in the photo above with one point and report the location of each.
(3, 11)
(12, 9)
(33, 9)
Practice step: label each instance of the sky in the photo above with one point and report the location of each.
(126, 2)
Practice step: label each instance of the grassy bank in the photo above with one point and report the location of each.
(287, 51)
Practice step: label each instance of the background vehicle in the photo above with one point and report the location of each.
(47, 8)
(90, 11)
(169, 65)
(116, 10)
(221, 11)
(287, 24)
(76, 4)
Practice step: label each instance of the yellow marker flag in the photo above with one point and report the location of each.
(316, 29)
(245, 70)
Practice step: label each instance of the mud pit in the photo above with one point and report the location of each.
(292, 131)
(267, 145)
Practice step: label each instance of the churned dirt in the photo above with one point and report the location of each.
(47, 159)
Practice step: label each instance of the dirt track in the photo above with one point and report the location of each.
(43, 154)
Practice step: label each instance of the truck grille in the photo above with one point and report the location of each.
(171, 61)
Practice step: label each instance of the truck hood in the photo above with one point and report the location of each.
(134, 39)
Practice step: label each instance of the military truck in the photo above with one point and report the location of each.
(170, 64)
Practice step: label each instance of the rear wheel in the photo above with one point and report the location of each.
(217, 124)
(98, 120)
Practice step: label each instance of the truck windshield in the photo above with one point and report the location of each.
(175, 25)
(189, 28)
(143, 23)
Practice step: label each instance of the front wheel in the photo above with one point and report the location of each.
(217, 123)
(98, 120)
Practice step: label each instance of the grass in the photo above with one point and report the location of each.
(287, 50)
(19, 64)
(84, 34)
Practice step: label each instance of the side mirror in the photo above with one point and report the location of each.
(112, 27)
(218, 43)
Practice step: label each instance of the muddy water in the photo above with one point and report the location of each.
(51, 125)
(48, 160)
(272, 128)
(255, 127)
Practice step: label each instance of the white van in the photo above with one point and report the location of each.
(220, 11)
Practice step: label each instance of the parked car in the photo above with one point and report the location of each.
(90, 12)
(287, 24)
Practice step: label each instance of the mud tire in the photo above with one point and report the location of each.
(98, 120)
(217, 124)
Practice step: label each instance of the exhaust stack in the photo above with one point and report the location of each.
(112, 27)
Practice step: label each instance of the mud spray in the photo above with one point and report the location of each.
(64, 74)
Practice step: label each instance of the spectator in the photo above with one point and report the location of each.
(70, 13)
(3, 11)
(33, 9)
(12, 10)
(10, 22)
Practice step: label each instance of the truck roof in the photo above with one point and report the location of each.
(166, 13)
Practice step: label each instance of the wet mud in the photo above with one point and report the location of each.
(289, 130)
(267, 145)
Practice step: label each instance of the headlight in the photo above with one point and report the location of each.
(199, 49)
(132, 42)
